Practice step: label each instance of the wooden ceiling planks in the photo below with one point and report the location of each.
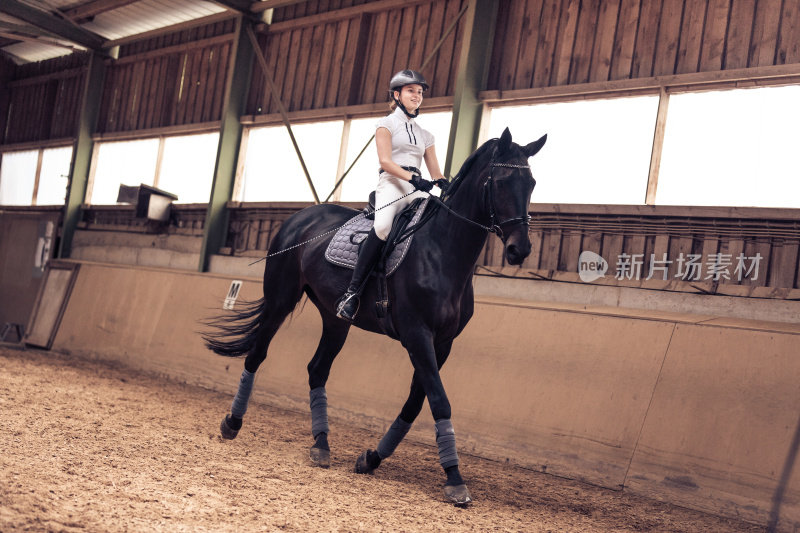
(552, 43)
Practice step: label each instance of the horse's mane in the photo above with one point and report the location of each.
(466, 167)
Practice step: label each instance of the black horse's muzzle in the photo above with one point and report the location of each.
(517, 244)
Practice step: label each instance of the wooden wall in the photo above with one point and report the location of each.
(559, 233)
(547, 43)
(348, 55)
(43, 100)
(170, 80)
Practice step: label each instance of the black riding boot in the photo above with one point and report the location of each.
(347, 305)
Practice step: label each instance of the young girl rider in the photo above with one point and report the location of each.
(402, 145)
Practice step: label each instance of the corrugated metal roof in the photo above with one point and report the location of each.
(149, 15)
(131, 19)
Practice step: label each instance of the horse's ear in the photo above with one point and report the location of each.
(531, 149)
(505, 142)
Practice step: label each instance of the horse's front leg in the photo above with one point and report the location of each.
(334, 334)
(426, 383)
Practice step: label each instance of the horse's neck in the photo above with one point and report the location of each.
(461, 242)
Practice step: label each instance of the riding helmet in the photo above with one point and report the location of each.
(407, 77)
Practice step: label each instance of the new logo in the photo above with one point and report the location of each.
(591, 266)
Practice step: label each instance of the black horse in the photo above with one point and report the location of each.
(431, 296)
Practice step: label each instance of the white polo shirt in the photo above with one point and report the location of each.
(409, 139)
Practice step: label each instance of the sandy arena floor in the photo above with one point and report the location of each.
(90, 446)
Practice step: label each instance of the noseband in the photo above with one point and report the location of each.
(494, 226)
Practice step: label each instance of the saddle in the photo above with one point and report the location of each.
(345, 244)
(344, 247)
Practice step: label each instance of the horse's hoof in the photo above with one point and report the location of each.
(362, 465)
(226, 430)
(321, 458)
(458, 495)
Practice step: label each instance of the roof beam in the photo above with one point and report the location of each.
(90, 9)
(46, 21)
(242, 6)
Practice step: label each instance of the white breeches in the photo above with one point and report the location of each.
(390, 188)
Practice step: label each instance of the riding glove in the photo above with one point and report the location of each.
(442, 184)
(421, 184)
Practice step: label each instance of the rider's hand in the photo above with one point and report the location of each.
(442, 184)
(421, 184)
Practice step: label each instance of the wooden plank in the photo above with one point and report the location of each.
(517, 21)
(710, 246)
(567, 26)
(324, 84)
(657, 148)
(194, 85)
(436, 26)
(532, 261)
(348, 62)
(372, 7)
(734, 247)
(612, 249)
(714, 35)
(646, 35)
(765, 33)
(526, 46)
(386, 63)
(691, 37)
(551, 249)
(783, 271)
(570, 251)
(456, 37)
(132, 116)
(740, 29)
(499, 44)
(407, 30)
(607, 19)
(292, 60)
(162, 79)
(669, 31)
(211, 83)
(416, 52)
(316, 51)
(546, 46)
(203, 89)
(369, 81)
(789, 36)
(584, 41)
(284, 61)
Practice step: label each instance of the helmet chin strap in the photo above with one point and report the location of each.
(401, 106)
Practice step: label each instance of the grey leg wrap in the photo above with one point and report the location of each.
(239, 407)
(397, 431)
(446, 440)
(319, 411)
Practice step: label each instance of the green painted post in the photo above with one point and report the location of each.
(230, 136)
(82, 151)
(473, 63)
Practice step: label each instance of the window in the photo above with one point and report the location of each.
(35, 177)
(18, 177)
(272, 171)
(123, 163)
(54, 176)
(187, 167)
(182, 165)
(732, 148)
(597, 151)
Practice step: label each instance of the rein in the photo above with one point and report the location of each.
(488, 194)
(493, 227)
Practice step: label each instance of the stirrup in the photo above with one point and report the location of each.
(342, 303)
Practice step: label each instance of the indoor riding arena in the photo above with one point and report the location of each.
(622, 345)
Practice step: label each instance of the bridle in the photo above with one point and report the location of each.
(488, 197)
(497, 227)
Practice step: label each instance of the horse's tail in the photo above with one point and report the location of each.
(241, 328)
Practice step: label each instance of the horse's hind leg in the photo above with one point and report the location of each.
(270, 321)
(334, 334)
